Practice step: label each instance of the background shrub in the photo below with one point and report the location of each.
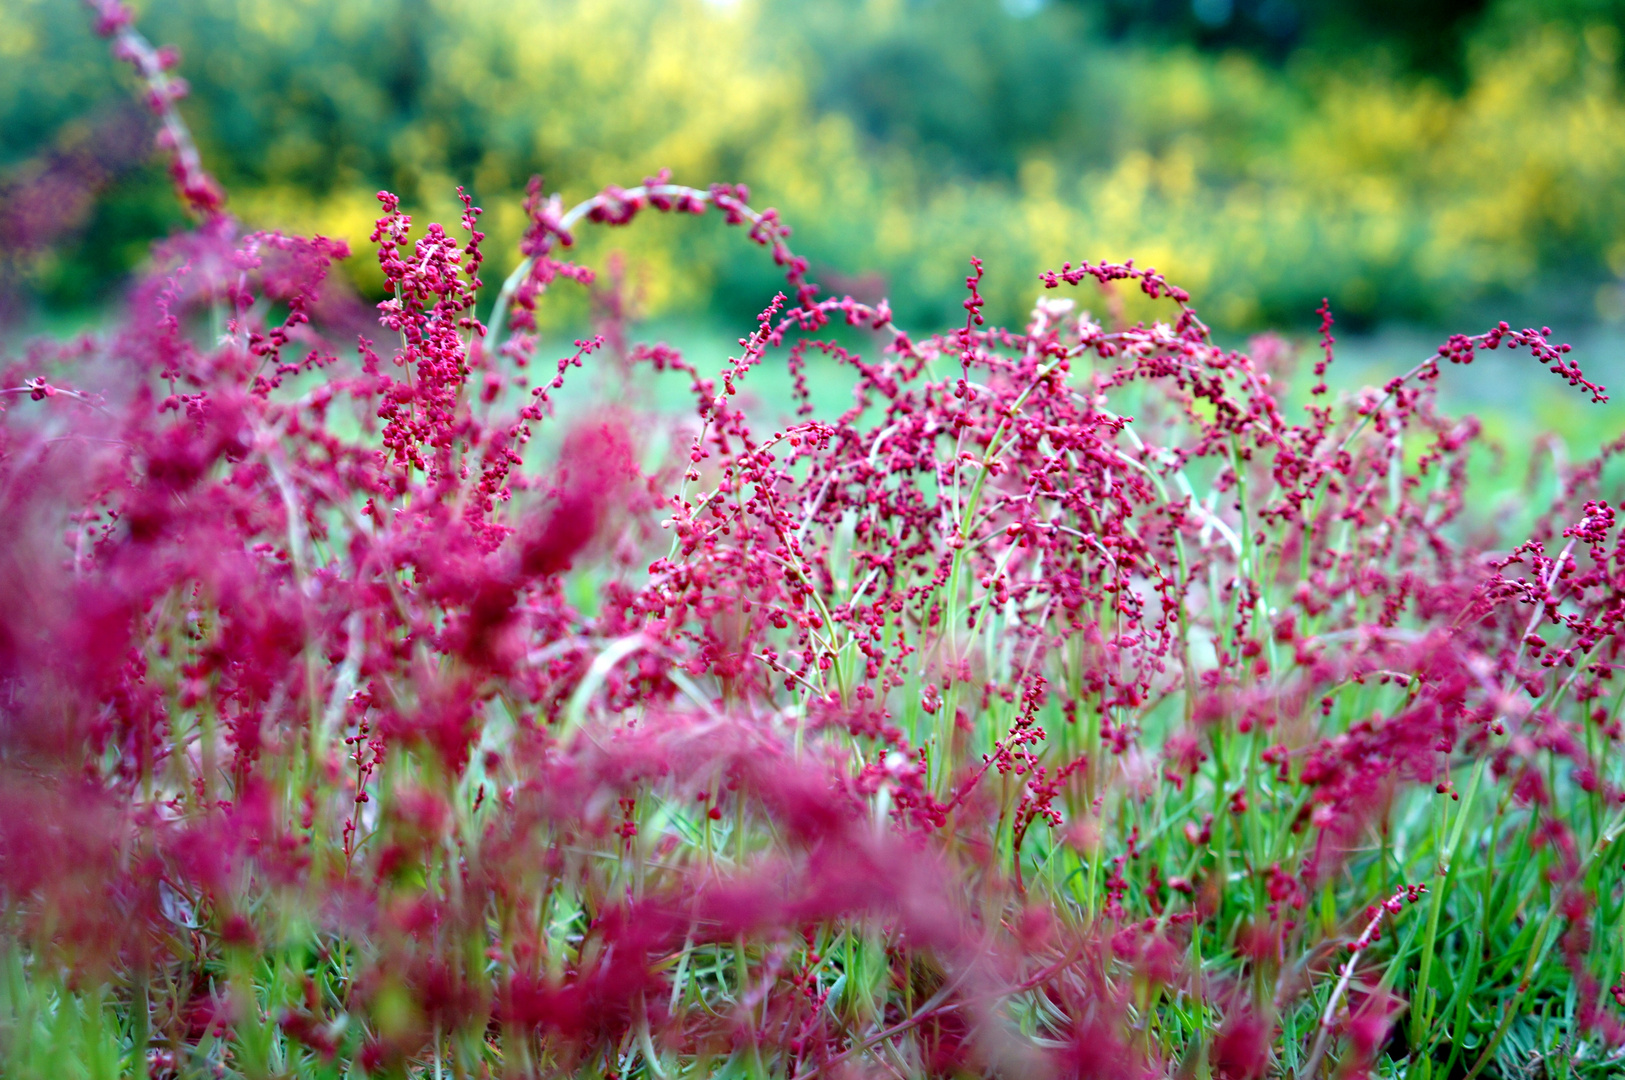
(1409, 161)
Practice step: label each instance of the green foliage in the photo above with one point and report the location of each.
(1405, 162)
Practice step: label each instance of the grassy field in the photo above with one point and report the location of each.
(439, 687)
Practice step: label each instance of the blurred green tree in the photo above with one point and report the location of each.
(1405, 160)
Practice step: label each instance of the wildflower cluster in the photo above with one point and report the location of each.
(1061, 707)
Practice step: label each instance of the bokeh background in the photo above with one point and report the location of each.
(1426, 165)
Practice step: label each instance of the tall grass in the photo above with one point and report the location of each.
(1063, 707)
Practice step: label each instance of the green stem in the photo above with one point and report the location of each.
(1422, 1008)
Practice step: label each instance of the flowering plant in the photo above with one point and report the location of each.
(1062, 707)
